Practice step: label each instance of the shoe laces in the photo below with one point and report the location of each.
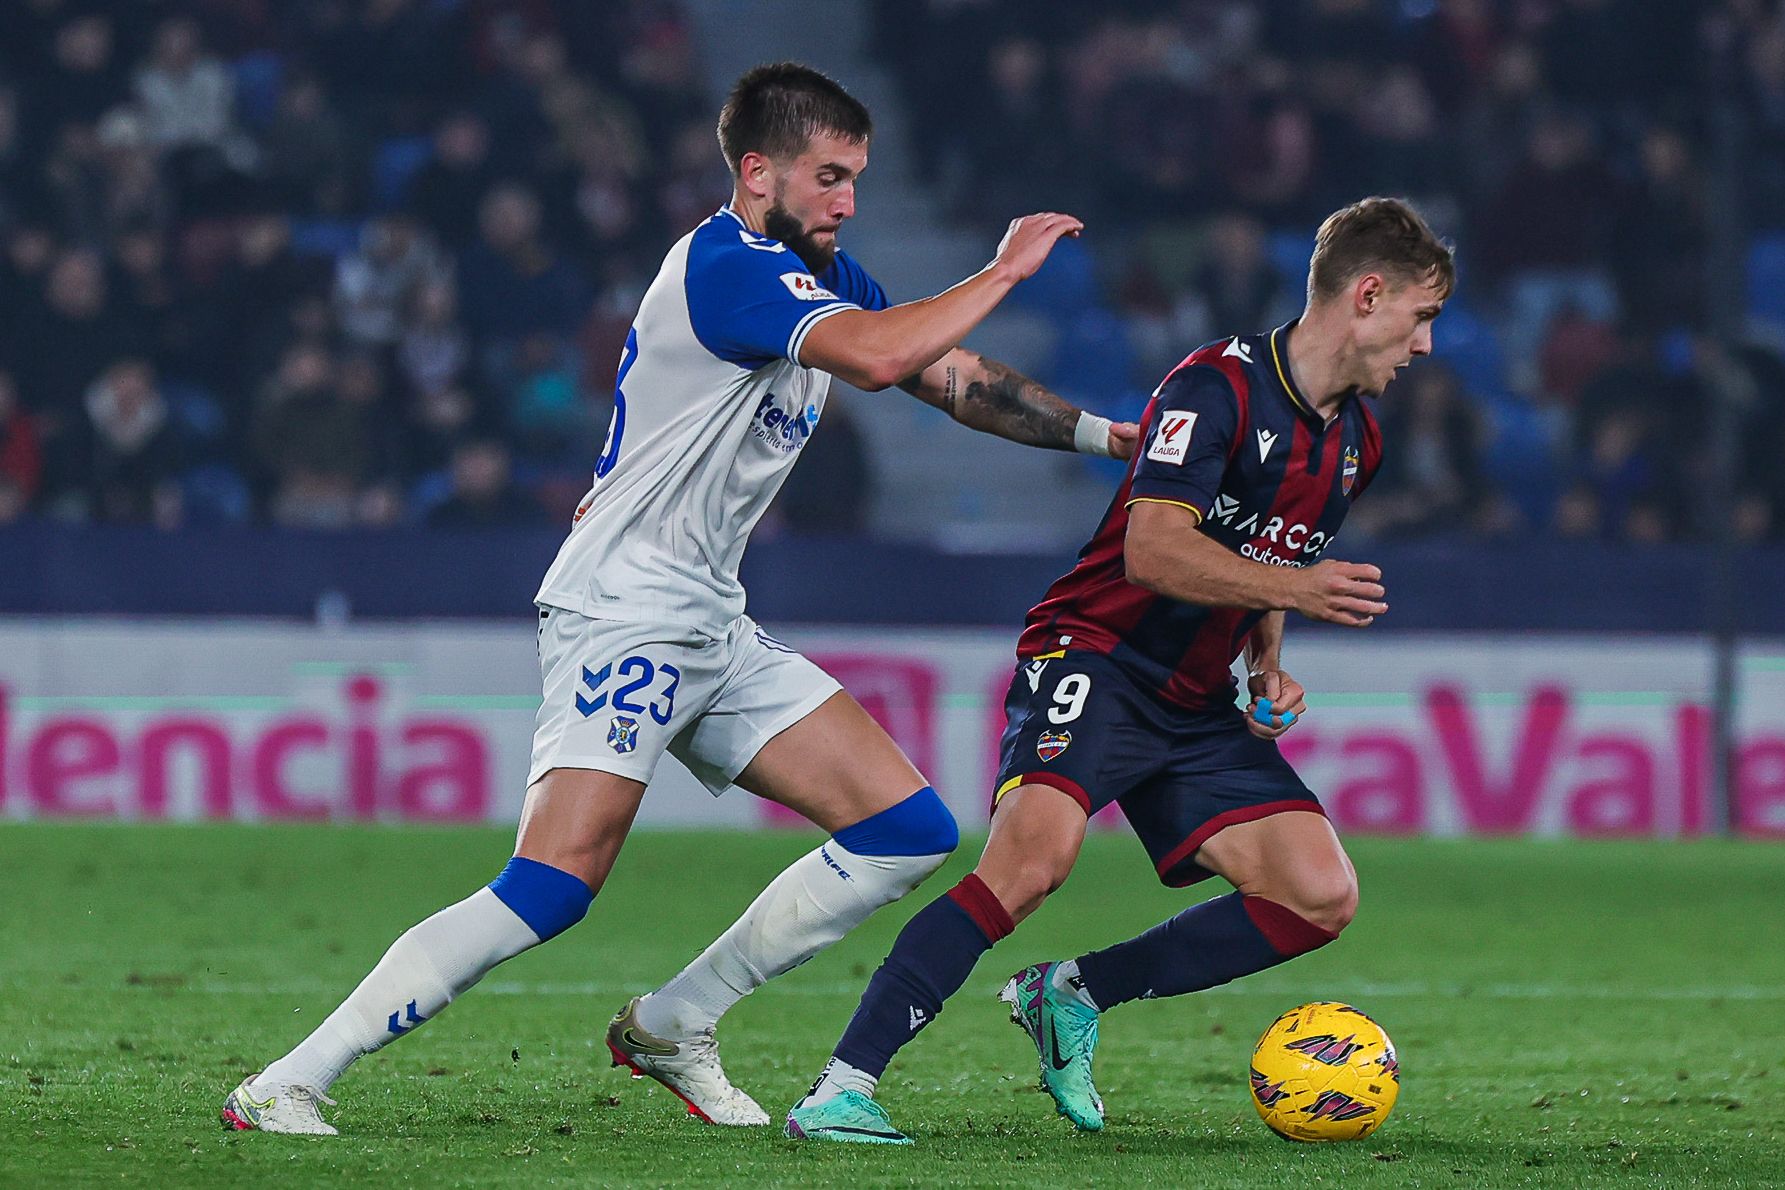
(309, 1093)
(868, 1104)
(703, 1045)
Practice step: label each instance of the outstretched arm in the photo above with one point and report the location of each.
(983, 394)
(875, 349)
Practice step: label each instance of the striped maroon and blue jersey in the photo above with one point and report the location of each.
(1229, 437)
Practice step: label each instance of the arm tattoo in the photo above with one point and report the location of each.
(945, 400)
(1002, 401)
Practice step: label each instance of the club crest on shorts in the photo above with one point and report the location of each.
(622, 734)
(1348, 473)
(1052, 743)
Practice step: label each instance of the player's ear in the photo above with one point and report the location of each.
(756, 174)
(1367, 292)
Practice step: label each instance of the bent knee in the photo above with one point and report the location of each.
(921, 825)
(1022, 887)
(1044, 876)
(548, 899)
(1329, 902)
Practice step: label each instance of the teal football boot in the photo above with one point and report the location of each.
(1065, 1035)
(848, 1116)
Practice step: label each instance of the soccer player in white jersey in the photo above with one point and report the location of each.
(643, 641)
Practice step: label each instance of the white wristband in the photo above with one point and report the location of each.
(1091, 435)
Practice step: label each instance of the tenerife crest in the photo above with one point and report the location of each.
(622, 734)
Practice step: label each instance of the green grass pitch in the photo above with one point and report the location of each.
(1567, 1014)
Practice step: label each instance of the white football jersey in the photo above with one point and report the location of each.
(711, 408)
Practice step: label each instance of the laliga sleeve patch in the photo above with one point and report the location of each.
(1171, 441)
(806, 288)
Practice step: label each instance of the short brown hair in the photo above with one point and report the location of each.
(1384, 234)
(776, 109)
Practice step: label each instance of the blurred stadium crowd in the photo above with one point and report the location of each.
(323, 263)
(329, 263)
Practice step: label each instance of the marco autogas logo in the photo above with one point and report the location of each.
(785, 431)
(1299, 544)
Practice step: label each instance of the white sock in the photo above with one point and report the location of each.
(1067, 981)
(421, 973)
(836, 1077)
(819, 898)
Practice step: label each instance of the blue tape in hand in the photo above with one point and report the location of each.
(1265, 717)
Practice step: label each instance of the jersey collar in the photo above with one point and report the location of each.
(744, 228)
(1279, 341)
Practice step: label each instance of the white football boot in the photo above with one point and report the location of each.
(291, 1109)
(688, 1066)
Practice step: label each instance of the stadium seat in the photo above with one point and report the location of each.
(1025, 340)
(197, 415)
(1093, 353)
(324, 237)
(428, 492)
(1522, 455)
(1289, 251)
(259, 80)
(215, 494)
(1470, 347)
(1766, 281)
(1066, 284)
(395, 162)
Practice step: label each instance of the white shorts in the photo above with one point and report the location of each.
(618, 695)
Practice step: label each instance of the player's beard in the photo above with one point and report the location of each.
(780, 224)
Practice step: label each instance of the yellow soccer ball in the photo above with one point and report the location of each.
(1324, 1071)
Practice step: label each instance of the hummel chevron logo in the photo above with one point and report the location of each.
(1239, 350)
(415, 1019)
(918, 1018)
(1266, 440)
(594, 681)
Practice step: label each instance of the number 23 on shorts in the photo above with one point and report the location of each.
(641, 675)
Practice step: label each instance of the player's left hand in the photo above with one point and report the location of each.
(1124, 436)
(1278, 702)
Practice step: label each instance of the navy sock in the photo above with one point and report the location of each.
(929, 962)
(1202, 947)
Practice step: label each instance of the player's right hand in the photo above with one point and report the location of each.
(1028, 241)
(1348, 593)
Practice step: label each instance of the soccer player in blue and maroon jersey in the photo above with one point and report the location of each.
(1254, 449)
